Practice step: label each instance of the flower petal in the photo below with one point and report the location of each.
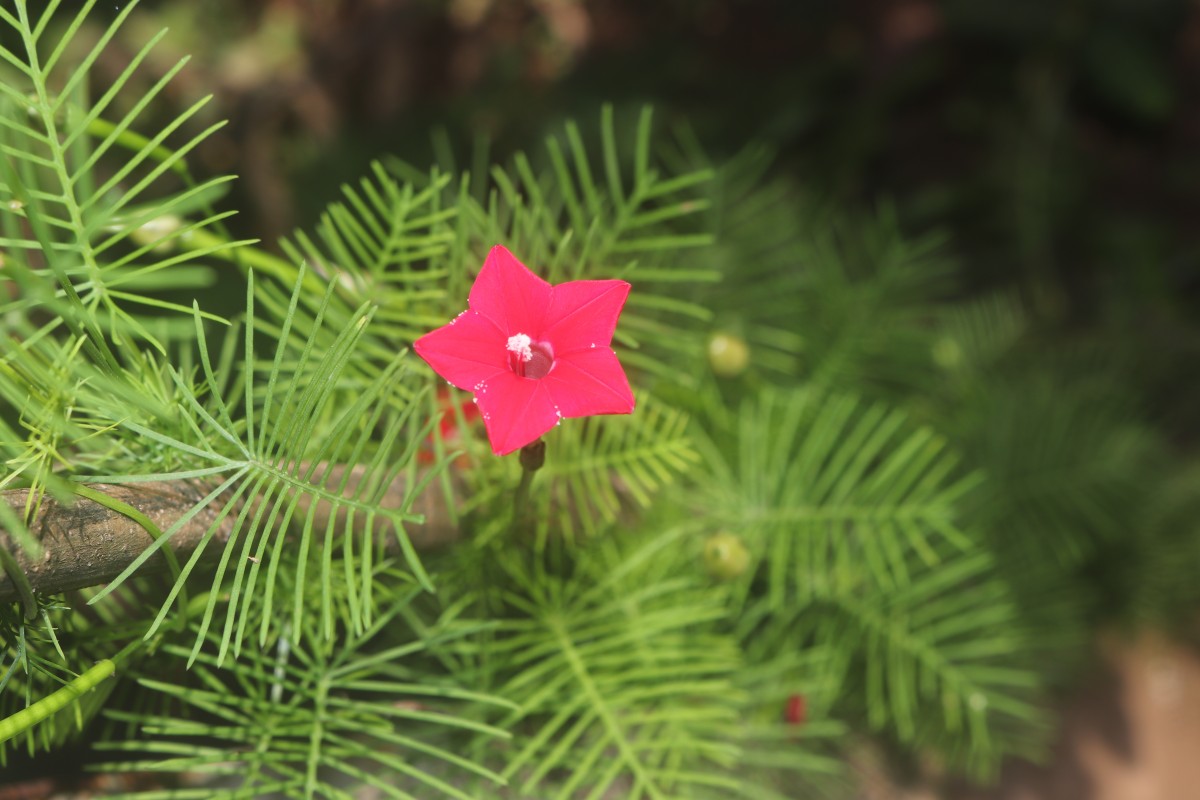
(516, 411)
(509, 295)
(583, 314)
(589, 382)
(467, 351)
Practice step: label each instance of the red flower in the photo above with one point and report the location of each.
(532, 353)
(448, 427)
(796, 710)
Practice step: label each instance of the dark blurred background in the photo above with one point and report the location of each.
(1023, 122)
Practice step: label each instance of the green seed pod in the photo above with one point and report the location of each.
(728, 355)
(725, 556)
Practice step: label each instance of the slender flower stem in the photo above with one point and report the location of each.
(533, 455)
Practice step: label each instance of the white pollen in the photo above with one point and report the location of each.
(520, 344)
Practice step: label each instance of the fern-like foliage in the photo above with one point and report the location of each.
(386, 244)
(307, 719)
(786, 736)
(277, 454)
(615, 463)
(831, 490)
(420, 248)
(621, 686)
(84, 246)
(40, 656)
(921, 647)
(1057, 453)
(979, 333)
(92, 215)
(868, 291)
(841, 300)
(762, 234)
(97, 238)
(851, 516)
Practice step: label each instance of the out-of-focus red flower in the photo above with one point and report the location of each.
(796, 710)
(532, 353)
(448, 426)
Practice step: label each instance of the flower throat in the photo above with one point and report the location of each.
(528, 358)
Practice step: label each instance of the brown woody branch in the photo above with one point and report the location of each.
(85, 543)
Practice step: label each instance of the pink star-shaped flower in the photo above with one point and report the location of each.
(532, 353)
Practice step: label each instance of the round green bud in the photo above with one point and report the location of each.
(728, 355)
(947, 353)
(725, 556)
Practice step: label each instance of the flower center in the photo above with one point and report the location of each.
(528, 358)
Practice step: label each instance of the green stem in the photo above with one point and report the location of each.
(533, 455)
(257, 258)
(26, 718)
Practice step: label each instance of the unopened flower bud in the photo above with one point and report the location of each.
(157, 230)
(947, 353)
(533, 455)
(725, 556)
(728, 355)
